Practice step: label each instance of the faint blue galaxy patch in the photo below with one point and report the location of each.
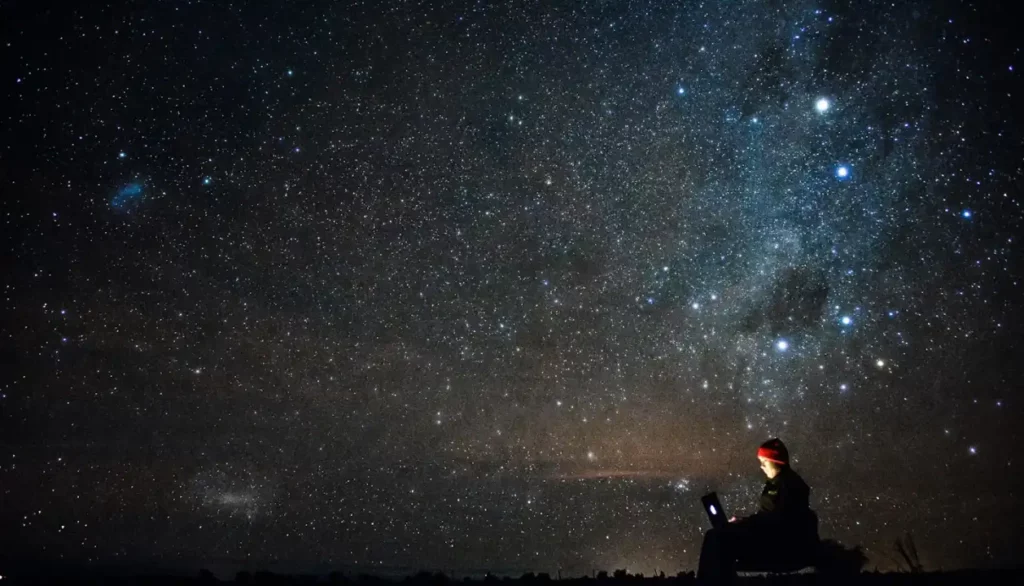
(129, 196)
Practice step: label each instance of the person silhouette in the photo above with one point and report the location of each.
(783, 530)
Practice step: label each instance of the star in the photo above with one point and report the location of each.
(782, 345)
(842, 172)
(846, 320)
(822, 105)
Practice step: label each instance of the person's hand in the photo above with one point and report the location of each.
(732, 519)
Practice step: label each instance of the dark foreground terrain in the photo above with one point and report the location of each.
(618, 578)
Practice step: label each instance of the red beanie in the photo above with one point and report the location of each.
(774, 450)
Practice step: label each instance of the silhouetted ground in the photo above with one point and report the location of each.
(617, 578)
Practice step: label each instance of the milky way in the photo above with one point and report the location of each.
(506, 286)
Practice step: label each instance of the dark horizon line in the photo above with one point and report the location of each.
(190, 568)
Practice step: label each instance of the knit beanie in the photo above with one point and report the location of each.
(775, 451)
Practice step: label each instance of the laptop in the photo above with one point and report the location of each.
(713, 507)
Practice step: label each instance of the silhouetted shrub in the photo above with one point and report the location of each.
(602, 575)
(263, 578)
(908, 555)
(426, 578)
(835, 559)
(243, 578)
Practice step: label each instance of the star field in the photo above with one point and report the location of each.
(506, 286)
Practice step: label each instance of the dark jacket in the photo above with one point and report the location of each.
(785, 507)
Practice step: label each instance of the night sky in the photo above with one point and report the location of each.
(506, 285)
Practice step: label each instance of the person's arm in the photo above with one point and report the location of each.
(773, 503)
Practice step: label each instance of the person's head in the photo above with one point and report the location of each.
(773, 456)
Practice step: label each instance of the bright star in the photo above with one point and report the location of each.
(122, 155)
(680, 91)
(695, 305)
(822, 105)
(966, 213)
(782, 345)
(846, 320)
(880, 363)
(206, 180)
(842, 172)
